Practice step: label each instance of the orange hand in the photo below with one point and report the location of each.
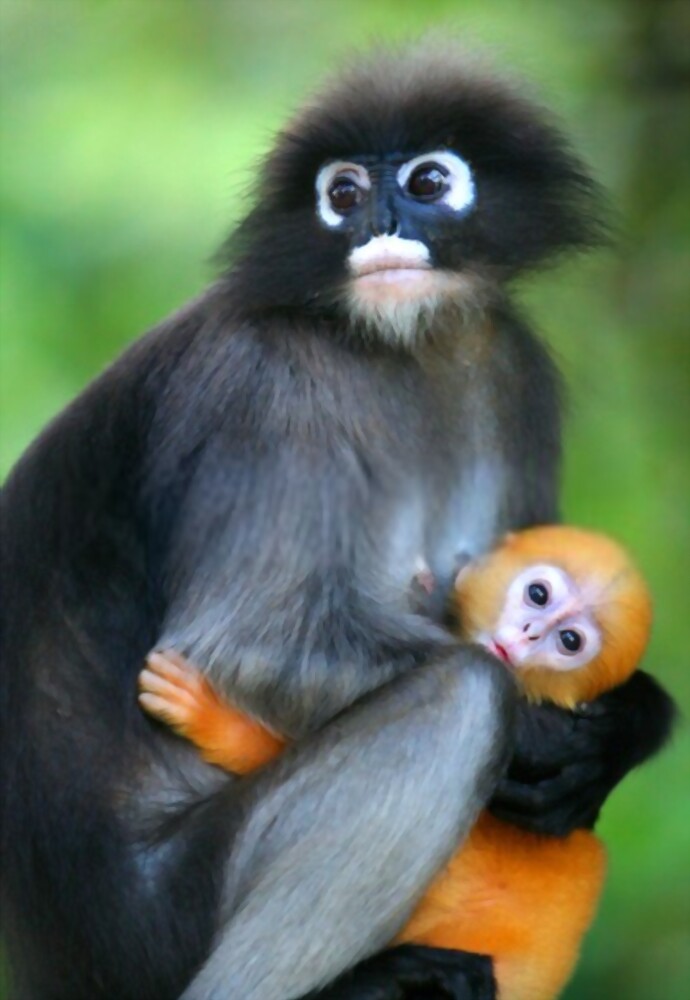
(174, 691)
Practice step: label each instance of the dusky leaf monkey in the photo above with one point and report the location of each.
(569, 614)
(250, 484)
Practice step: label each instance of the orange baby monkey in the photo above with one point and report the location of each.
(568, 613)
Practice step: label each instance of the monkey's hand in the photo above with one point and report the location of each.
(175, 692)
(566, 763)
(412, 971)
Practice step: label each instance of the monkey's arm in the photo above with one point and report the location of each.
(567, 763)
(449, 916)
(172, 690)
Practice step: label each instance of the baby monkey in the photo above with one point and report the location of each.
(569, 615)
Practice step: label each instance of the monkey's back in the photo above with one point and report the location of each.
(526, 900)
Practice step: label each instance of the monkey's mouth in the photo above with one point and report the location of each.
(500, 651)
(388, 268)
(389, 260)
(390, 275)
(385, 279)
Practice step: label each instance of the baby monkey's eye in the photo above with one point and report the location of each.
(344, 194)
(428, 182)
(570, 641)
(537, 594)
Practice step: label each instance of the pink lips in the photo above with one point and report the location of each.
(389, 262)
(390, 275)
(500, 651)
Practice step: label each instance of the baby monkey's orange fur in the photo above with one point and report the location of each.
(177, 693)
(524, 899)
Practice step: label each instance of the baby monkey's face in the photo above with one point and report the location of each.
(546, 621)
(563, 607)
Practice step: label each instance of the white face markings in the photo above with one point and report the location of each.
(388, 253)
(545, 622)
(394, 286)
(444, 175)
(439, 178)
(329, 179)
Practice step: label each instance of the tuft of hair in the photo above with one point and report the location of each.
(616, 594)
(535, 197)
(457, 302)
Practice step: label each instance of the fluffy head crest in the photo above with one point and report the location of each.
(422, 97)
(535, 198)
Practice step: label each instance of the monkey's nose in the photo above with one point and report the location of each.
(382, 217)
(532, 635)
(384, 223)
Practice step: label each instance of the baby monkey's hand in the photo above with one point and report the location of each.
(175, 692)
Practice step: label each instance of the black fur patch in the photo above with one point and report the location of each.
(535, 198)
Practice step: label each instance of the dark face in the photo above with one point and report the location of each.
(383, 239)
(403, 218)
(419, 197)
(409, 184)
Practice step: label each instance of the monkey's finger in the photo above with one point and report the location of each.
(171, 664)
(152, 683)
(161, 709)
(173, 675)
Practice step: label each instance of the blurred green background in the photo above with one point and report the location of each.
(130, 129)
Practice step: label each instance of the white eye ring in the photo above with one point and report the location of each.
(324, 180)
(461, 191)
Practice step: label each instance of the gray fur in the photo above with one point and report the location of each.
(356, 473)
(315, 884)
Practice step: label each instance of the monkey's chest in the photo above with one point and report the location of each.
(443, 523)
(473, 514)
(467, 478)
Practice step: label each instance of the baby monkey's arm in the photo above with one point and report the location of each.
(175, 692)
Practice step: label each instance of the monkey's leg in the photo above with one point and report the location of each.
(343, 833)
(176, 692)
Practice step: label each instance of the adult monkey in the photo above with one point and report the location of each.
(253, 483)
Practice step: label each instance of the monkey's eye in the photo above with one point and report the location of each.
(537, 594)
(441, 176)
(340, 187)
(344, 195)
(570, 641)
(428, 182)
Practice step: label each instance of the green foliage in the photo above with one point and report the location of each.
(130, 130)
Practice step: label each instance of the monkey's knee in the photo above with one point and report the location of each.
(471, 681)
(473, 701)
